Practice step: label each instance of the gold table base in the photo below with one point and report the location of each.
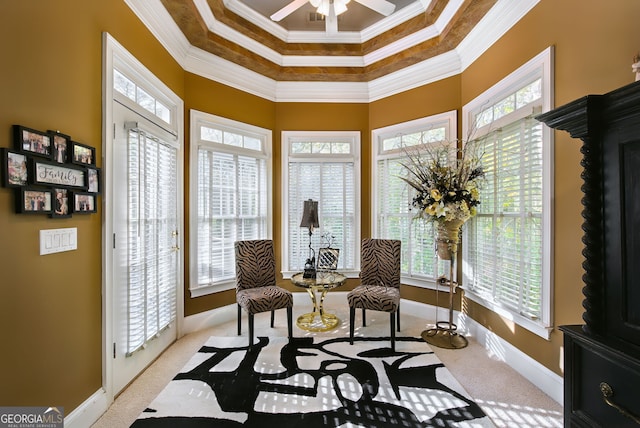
(318, 287)
(315, 321)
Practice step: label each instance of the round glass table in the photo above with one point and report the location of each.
(318, 287)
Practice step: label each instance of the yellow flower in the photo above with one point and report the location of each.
(435, 194)
(431, 209)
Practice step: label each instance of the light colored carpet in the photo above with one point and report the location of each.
(506, 397)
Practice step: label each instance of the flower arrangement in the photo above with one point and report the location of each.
(447, 186)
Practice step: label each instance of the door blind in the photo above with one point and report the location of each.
(151, 238)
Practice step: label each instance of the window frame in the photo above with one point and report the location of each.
(449, 121)
(541, 66)
(198, 120)
(290, 137)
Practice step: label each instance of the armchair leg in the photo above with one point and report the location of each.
(392, 318)
(398, 318)
(272, 317)
(290, 322)
(239, 320)
(250, 329)
(364, 318)
(352, 316)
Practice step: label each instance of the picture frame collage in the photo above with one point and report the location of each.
(51, 173)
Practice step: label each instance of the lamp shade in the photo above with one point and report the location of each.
(310, 214)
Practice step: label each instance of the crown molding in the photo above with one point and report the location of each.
(500, 18)
(494, 25)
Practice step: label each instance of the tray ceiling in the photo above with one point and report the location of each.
(368, 49)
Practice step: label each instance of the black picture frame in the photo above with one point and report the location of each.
(15, 168)
(32, 200)
(54, 174)
(81, 154)
(32, 141)
(61, 147)
(61, 203)
(327, 258)
(94, 180)
(84, 202)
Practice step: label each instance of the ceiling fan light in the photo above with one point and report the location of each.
(324, 7)
(339, 7)
(315, 3)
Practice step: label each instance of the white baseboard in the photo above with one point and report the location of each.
(546, 380)
(87, 413)
(207, 319)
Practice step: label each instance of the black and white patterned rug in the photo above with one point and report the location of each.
(313, 382)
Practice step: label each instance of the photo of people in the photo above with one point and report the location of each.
(82, 154)
(61, 202)
(84, 203)
(37, 201)
(59, 149)
(16, 169)
(94, 186)
(36, 143)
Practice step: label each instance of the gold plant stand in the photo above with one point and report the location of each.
(444, 334)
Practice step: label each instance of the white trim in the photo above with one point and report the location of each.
(497, 348)
(543, 378)
(502, 16)
(355, 139)
(114, 53)
(198, 119)
(88, 412)
(542, 66)
(447, 119)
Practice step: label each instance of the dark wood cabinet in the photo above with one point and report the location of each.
(605, 350)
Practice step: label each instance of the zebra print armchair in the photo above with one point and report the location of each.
(256, 289)
(379, 288)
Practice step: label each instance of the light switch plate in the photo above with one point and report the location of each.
(58, 240)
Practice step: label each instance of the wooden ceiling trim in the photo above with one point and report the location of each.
(190, 22)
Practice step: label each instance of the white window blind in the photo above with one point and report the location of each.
(231, 188)
(322, 166)
(505, 238)
(394, 218)
(151, 237)
(507, 247)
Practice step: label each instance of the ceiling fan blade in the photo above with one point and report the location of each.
(288, 9)
(383, 7)
(331, 21)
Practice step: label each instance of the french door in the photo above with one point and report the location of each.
(146, 227)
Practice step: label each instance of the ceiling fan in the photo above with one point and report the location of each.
(332, 8)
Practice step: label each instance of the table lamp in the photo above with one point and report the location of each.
(310, 220)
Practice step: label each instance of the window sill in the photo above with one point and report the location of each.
(535, 327)
(204, 290)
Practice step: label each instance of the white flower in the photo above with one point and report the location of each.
(441, 210)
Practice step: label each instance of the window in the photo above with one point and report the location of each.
(507, 249)
(230, 192)
(393, 216)
(325, 167)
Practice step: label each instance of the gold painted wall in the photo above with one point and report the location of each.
(50, 306)
(214, 98)
(594, 46)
